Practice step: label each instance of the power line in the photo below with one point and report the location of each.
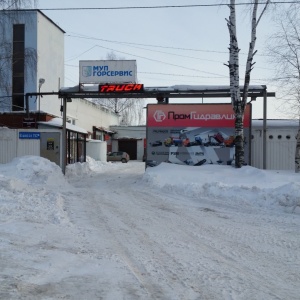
(159, 61)
(147, 45)
(157, 46)
(157, 51)
(182, 75)
(147, 58)
(158, 7)
(168, 6)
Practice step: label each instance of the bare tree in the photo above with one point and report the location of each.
(130, 110)
(239, 103)
(10, 14)
(17, 4)
(284, 53)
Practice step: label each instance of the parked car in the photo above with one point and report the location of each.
(118, 156)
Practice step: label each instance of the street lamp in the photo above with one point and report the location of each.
(41, 82)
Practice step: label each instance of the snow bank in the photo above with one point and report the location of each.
(29, 191)
(245, 186)
(88, 168)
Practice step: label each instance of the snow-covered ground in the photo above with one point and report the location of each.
(115, 231)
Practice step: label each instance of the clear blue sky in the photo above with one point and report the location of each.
(172, 46)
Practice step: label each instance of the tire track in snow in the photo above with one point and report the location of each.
(151, 265)
(99, 218)
(259, 274)
(189, 245)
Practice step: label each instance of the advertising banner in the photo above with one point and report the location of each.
(107, 71)
(194, 134)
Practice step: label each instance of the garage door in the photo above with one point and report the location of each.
(129, 146)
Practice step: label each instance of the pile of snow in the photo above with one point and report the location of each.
(89, 167)
(30, 188)
(247, 186)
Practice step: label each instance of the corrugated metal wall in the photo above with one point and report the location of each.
(11, 146)
(28, 147)
(8, 144)
(281, 147)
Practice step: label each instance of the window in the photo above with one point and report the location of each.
(18, 67)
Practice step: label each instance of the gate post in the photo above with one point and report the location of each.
(64, 136)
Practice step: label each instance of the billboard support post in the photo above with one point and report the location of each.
(265, 130)
(64, 136)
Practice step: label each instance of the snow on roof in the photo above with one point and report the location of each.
(184, 88)
(276, 123)
(174, 88)
(58, 122)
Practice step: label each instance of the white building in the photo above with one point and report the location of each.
(35, 49)
(32, 61)
(94, 118)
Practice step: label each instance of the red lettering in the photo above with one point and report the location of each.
(138, 87)
(110, 88)
(119, 88)
(103, 88)
(128, 87)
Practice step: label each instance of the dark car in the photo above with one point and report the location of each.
(118, 156)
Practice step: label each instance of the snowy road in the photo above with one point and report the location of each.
(185, 249)
(125, 239)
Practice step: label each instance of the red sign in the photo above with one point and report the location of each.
(194, 115)
(121, 88)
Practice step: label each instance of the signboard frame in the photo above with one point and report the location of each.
(107, 71)
(194, 134)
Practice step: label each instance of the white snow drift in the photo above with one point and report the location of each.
(118, 231)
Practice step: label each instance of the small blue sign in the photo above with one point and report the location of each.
(30, 135)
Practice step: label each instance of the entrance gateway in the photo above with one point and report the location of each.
(163, 94)
(117, 79)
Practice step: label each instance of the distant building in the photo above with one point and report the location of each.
(131, 139)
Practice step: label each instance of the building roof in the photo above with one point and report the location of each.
(58, 122)
(276, 123)
(33, 10)
(50, 20)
